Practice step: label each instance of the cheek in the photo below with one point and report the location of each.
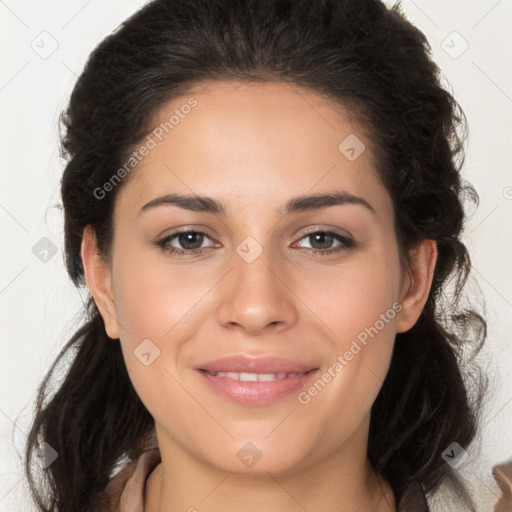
(359, 309)
(153, 297)
(352, 297)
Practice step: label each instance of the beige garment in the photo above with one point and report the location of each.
(125, 492)
(503, 476)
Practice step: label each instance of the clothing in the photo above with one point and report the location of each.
(503, 475)
(125, 492)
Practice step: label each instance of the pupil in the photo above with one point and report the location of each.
(188, 238)
(324, 236)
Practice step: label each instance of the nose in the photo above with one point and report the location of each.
(257, 295)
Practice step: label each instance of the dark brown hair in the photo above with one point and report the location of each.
(368, 58)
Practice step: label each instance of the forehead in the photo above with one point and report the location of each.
(230, 139)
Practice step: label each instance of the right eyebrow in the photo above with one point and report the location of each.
(206, 204)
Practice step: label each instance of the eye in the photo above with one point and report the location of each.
(322, 242)
(190, 240)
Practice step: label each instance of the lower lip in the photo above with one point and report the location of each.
(256, 393)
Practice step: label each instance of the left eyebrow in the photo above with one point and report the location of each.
(319, 201)
(297, 204)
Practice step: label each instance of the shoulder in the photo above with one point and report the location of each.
(125, 491)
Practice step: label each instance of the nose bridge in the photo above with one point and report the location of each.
(255, 295)
(256, 265)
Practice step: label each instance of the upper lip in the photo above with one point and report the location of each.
(262, 364)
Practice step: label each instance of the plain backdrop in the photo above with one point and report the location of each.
(44, 46)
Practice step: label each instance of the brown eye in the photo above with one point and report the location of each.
(322, 242)
(189, 242)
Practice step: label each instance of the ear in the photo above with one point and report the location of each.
(416, 286)
(99, 281)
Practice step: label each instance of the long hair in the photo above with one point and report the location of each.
(359, 53)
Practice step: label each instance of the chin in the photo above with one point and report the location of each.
(259, 458)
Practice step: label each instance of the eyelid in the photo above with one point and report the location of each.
(186, 230)
(200, 228)
(313, 229)
(329, 229)
(345, 242)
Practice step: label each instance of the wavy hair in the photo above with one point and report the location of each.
(364, 56)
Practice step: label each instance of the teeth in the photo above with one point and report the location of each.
(266, 376)
(247, 377)
(254, 377)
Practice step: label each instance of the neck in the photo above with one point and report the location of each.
(182, 483)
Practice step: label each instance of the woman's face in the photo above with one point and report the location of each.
(259, 286)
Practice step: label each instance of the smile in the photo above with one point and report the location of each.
(253, 377)
(248, 388)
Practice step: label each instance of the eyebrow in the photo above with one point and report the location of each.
(205, 204)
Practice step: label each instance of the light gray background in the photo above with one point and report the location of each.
(39, 306)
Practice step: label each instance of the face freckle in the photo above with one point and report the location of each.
(261, 286)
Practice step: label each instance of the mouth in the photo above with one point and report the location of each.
(252, 388)
(257, 377)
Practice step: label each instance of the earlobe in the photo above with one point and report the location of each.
(416, 289)
(99, 281)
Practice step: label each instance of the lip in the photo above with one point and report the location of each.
(256, 392)
(261, 364)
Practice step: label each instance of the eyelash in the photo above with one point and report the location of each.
(346, 243)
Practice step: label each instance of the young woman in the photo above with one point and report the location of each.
(264, 199)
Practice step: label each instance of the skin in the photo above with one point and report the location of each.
(253, 147)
